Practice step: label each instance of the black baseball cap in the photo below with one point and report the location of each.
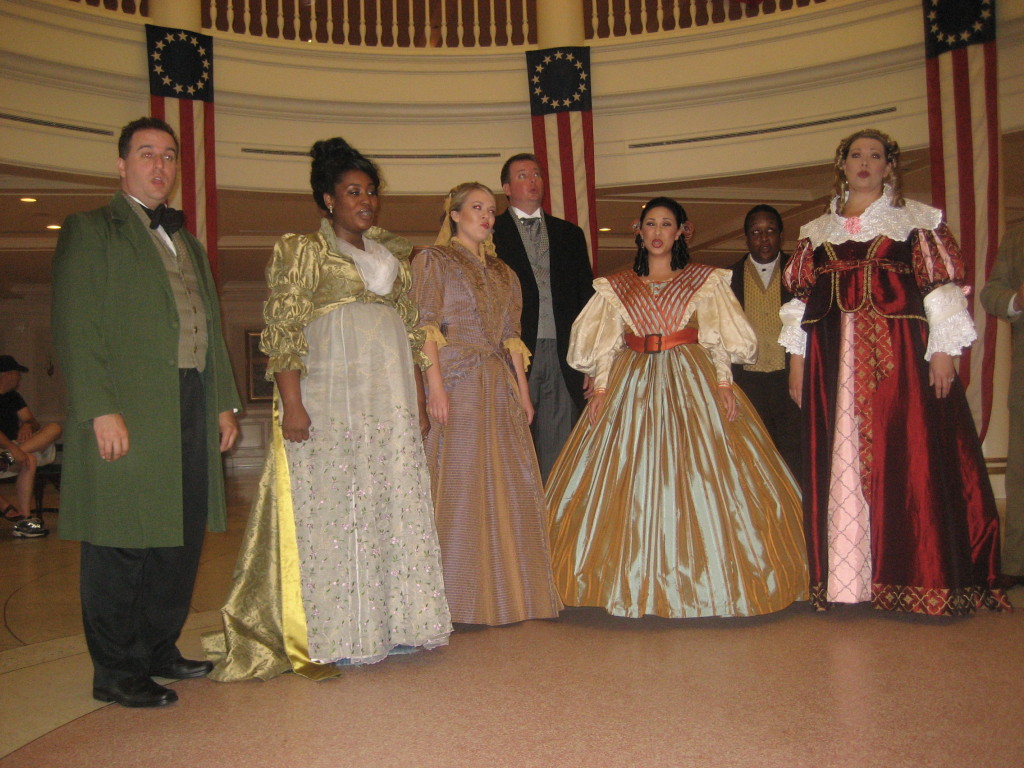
(8, 363)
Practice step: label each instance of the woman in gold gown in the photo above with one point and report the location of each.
(488, 495)
(669, 497)
(340, 562)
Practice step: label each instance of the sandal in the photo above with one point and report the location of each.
(11, 513)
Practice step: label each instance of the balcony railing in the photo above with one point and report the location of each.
(387, 23)
(452, 23)
(620, 18)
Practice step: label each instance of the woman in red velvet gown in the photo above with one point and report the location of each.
(898, 508)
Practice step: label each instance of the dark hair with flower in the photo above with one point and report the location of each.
(680, 253)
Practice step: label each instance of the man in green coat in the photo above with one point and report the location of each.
(1003, 296)
(151, 402)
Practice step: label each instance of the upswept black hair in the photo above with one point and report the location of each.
(753, 212)
(332, 158)
(680, 253)
(124, 141)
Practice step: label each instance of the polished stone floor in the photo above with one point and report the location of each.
(853, 688)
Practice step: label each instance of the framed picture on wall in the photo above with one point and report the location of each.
(258, 389)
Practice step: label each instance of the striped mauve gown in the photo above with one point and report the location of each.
(488, 495)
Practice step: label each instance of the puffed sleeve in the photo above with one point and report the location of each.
(939, 270)
(428, 277)
(723, 329)
(799, 280)
(401, 247)
(292, 276)
(597, 334)
(512, 330)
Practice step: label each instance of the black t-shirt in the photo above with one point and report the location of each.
(10, 403)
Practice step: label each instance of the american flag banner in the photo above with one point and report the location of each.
(181, 93)
(563, 135)
(963, 132)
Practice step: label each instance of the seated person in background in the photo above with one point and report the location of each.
(29, 445)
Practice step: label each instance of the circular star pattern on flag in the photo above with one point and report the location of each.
(182, 63)
(953, 24)
(559, 81)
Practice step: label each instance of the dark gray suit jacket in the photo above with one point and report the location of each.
(571, 284)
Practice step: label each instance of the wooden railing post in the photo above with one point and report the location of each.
(182, 14)
(560, 22)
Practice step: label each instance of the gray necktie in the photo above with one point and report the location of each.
(532, 224)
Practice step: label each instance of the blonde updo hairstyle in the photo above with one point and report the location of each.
(455, 200)
(892, 156)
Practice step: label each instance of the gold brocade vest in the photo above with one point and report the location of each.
(181, 275)
(761, 306)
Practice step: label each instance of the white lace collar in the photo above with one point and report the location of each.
(880, 218)
(376, 265)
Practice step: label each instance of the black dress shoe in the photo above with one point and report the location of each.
(135, 692)
(183, 668)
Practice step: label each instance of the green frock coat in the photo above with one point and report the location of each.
(115, 329)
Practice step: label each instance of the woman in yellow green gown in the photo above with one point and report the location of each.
(340, 562)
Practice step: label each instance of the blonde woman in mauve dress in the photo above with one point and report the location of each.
(669, 497)
(488, 496)
(340, 562)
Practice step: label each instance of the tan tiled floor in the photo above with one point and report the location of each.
(853, 687)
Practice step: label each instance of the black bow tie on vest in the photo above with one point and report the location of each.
(170, 219)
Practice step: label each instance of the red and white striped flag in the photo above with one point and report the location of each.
(563, 135)
(963, 132)
(181, 93)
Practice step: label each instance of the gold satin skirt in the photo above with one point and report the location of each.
(663, 507)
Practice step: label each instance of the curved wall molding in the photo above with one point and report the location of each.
(441, 117)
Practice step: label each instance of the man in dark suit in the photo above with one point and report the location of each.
(151, 402)
(550, 257)
(757, 283)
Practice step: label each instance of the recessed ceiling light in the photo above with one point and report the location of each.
(604, 229)
(28, 200)
(53, 226)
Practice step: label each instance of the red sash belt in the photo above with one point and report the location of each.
(847, 265)
(655, 342)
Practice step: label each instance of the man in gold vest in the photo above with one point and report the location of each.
(757, 283)
(151, 402)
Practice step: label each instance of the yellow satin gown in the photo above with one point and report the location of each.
(663, 506)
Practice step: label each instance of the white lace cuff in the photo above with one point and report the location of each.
(950, 327)
(793, 338)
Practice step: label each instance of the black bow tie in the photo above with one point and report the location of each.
(164, 216)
